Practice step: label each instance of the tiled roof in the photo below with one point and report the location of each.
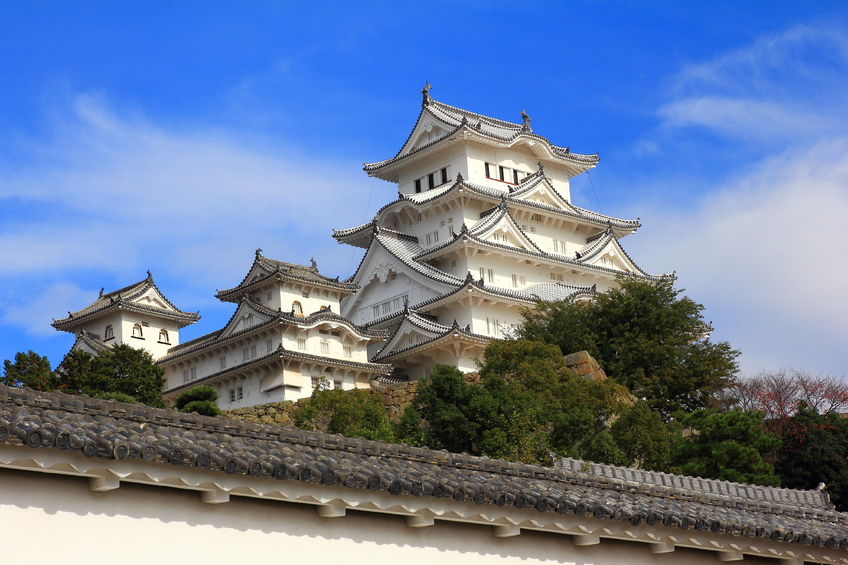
(283, 353)
(440, 331)
(485, 126)
(275, 317)
(123, 298)
(292, 271)
(91, 340)
(110, 430)
(362, 232)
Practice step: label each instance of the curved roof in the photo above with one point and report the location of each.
(269, 268)
(485, 127)
(618, 498)
(125, 299)
(360, 235)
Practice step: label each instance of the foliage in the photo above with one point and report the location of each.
(814, 449)
(730, 446)
(119, 396)
(531, 408)
(779, 394)
(122, 369)
(646, 337)
(201, 399)
(29, 369)
(352, 413)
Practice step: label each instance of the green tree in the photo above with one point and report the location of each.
(29, 369)
(730, 446)
(647, 337)
(122, 369)
(201, 399)
(814, 449)
(352, 413)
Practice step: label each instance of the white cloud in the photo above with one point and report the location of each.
(35, 310)
(111, 190)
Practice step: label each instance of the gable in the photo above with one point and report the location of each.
(153, 298)
(543, 193)
(612, 256)
(407, 334)
(245, 317)
(504, 231)
(426, 130)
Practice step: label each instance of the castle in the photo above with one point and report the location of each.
(482, 228)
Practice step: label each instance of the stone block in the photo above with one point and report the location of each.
(577, 358)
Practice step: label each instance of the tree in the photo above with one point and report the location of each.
(814, 449)
(531, 408)
(121, 369)
(729, 446)
(201, 399)
(29, 369)
(779, 394)
(646, 337)
(352, 413)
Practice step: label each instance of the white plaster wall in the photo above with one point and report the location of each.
(150, 340)
(520, 158)
(452, 157)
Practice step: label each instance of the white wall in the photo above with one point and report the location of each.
(56, 519)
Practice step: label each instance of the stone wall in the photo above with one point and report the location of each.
(584, 365)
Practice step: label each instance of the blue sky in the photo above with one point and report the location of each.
(181, 136)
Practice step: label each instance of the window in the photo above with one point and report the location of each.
(453, 263)
(431, 180)
(163, 337)
(316, 382)
(297, 308)
(268, 343)
(556, 277)
(223, 363)
(536, 217)
(493, 327)
(387, 307)
(108, 333)
(239, 393)
(325, 348)
(337, 384)
(268, 296)
(518, 281)
(497, 236)
(417, 185)
(559, 246)
(252, 351)
(444, 175)
(248, 321)
(347, 351)
(504, 174)
(487, 274)
(375, 310)
(137, 332)
(245, 354)
(232, 395)
(189, 374)
(301, 344)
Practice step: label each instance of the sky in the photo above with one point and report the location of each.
(181, 136)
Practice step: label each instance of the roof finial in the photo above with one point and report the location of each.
(525, 117)
(469, 277)
(101, 292)
(426, 92)
(258, 251)
(459, 177)
(313, 264)
(541, 168)
(149, 275)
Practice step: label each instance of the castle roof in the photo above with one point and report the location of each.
(265, 269)
(76, 435)
(269, 317)
(143, 297)
(432, 332)
(457, 122)
(360, 235)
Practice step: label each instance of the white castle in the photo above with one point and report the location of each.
(482, 228)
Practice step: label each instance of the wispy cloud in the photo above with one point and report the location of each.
(117, 193)
(764, 250)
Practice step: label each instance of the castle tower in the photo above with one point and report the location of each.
(482, 228)
(138, 315)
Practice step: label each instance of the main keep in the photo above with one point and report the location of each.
(483, 226)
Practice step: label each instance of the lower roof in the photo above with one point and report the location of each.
(109, 430)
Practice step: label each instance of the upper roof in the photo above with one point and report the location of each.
(143, 297)
(265, 268)
(518, 196)
(456, 121)
(109, 430)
